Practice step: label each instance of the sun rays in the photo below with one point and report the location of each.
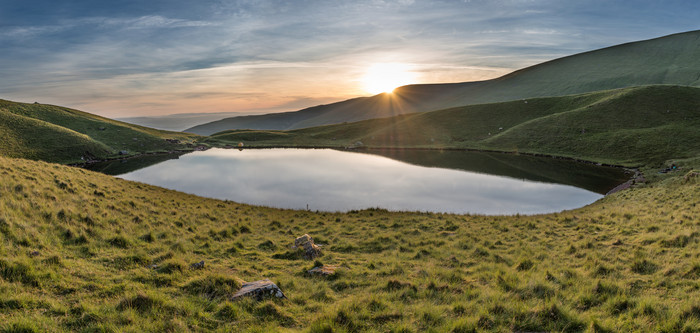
(385, 77)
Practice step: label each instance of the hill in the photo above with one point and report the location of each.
(630, 126)
(82, 251)
(58, 134)
(673, 60)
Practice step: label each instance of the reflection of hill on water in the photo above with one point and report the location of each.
(591, 177)
(120, 167)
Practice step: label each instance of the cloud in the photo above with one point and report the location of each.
(131, 57)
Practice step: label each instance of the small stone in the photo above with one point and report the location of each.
(34, 253)
(301, 240)
(197, 265)
(325, 270)
(258, 290)
(305, 242)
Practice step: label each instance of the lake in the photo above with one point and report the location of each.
(397, 180)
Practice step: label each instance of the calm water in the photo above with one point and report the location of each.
(331, 180)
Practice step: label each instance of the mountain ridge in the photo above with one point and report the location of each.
(672, 59)
(629, 126)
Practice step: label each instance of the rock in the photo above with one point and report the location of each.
(123, 152)
(197, 265)
(325, 270)
(259, 290)
(101, 128)
(305, 242)
(34, 253)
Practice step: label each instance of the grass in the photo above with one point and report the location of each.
(82, 251)
(631, 126)
(58, 134)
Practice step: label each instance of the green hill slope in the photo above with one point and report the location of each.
(58, 134)
(82, 251)
(624, 126)
(672, 60)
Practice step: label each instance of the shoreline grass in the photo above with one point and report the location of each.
(82, 251)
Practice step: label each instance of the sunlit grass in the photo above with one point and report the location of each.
(81, 251)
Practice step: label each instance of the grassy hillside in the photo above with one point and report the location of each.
(52, 133)
(632, 126)
(672, 60)
(82, 251)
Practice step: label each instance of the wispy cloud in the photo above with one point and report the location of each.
(129, 58)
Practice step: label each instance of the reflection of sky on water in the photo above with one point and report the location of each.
(330, 180)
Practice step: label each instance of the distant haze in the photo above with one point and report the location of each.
(180, 121)
(130, 58)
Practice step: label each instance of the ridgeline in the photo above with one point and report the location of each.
(669, 60)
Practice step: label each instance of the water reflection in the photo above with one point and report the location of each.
(330, 180)
(599, 179)
(120, 167)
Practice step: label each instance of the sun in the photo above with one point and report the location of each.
(385, 77)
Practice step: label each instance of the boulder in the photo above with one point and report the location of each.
(306, 243)
(197, 265)
(259, 290)
(324, 271)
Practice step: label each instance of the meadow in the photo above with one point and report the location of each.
(82, 251)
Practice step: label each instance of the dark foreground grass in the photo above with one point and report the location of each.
(81, 251)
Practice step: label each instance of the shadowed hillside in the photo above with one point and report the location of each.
(673, 59)
(591, 177)
(58, 134)
(625, 126)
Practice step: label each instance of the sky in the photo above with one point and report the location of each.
(124, 58)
